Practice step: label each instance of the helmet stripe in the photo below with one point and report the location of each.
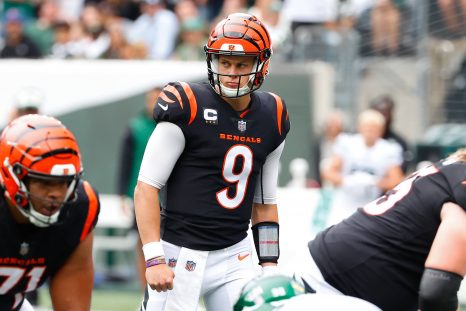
(55, 152)
(239, 34)
(32, 145)
(255, 30)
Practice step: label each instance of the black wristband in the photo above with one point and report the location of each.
(266, 241)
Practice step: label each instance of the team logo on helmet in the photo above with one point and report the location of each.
(190, 265)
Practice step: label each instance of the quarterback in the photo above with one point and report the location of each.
(213, 158)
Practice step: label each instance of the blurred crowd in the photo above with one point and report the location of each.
(177, 29)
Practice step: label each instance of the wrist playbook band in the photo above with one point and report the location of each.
(152, 250)
(266, 236)
(155, 261)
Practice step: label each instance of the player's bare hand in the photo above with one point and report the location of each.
(160, 277)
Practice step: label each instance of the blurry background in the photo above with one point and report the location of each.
(91, 62)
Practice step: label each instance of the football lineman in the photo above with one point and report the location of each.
(403, 251)
(47, 215)
(214, 159)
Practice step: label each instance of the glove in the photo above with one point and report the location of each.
(270, 270)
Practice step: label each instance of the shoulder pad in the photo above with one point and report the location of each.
(176, 104)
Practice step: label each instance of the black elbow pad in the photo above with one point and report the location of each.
(438, 290)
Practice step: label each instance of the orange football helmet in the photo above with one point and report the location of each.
(40, 147)
(239, 35)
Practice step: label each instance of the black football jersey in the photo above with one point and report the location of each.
(378, 253)
(206, 203)
(29, 255)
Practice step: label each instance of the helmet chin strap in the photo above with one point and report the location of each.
(37, 219)
(229, 92)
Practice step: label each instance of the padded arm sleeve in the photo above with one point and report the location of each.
(438, 290)
(266, 186)
(162, 151)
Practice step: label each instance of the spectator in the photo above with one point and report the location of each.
(95, 40)
(385, 23)
(187, 10)
(447, 18)
(390, 26)
(455, 100)
(27, 101)
(386, 106)
(193, 37)
(363, 166)
(17, 44)
(157, 28)
(63, 46)
(41, 30)
(132, 150)
(270, 12)
(323, 148)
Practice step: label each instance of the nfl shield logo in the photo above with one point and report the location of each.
(172, 262)
(190, 265)
(24, 249)
(241, 125)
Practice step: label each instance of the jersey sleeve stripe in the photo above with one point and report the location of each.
(191, 99)
(92, 213)
(174, 91)
(164, 97)
(279, 103)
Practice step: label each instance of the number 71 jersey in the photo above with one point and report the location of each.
(206, 203)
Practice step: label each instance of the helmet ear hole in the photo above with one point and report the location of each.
(17, 170)
(18, 198)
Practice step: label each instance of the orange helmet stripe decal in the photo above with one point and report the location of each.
(191, 99)
(92, 213)
(174, 91)
(279, 103)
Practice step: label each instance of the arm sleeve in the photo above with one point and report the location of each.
(266, 186)
(126, 162)
(162, 151)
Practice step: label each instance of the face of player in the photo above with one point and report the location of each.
(231, 68)
(47, 196)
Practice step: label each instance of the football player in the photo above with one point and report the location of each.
(47, 215)
(406, 249)
(214, 159)
(283, 293)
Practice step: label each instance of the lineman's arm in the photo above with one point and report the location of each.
(71, 286)
(446, 263)
(450, 239)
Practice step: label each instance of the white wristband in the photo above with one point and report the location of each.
(152, 250)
